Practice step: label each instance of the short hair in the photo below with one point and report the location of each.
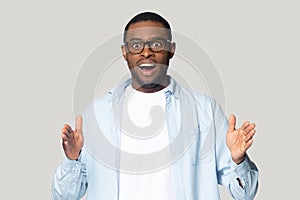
(149, 16)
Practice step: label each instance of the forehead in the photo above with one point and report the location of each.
(146, 30)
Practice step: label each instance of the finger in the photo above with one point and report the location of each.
(66, 129)
(65, 143)
(231, 123)
(79, 124)
(250, 135)
(65, 137)
(67, 132)
(250, 127)
(248, 144)
(67, 126)
(245, 125)
(66, 146)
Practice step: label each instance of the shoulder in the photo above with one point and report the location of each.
(182, 92)
(106, 101)
(201, 99)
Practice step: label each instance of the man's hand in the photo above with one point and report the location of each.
(72, 140)
(239, 140)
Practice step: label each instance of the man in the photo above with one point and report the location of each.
(202, 148)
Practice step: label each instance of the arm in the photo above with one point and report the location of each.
(70, 180)
(235, 169)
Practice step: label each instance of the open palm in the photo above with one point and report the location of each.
(239, 140)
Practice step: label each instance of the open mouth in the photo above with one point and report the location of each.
(147, 69)
(147, 66)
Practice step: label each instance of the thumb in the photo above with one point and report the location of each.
(232, 123)
(79, 124)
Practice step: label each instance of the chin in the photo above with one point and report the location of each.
(149, 85)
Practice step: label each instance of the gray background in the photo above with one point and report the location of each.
(254, 45)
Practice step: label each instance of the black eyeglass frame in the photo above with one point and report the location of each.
(146, 42)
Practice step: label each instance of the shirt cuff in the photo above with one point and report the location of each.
(243, 168)
(67, 160)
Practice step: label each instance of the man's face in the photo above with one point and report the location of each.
(148, 68)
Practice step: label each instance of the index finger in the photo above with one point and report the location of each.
(79, 124)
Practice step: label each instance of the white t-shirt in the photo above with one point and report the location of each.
(158, 185)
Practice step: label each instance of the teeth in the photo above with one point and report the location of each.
(147, 65)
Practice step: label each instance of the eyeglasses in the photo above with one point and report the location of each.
(156, 45)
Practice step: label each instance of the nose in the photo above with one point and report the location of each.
(147, 52)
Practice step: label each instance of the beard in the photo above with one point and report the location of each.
(150, 85)
(155, 82)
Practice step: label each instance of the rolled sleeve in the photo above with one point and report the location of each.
(70, 180)
(244, 180)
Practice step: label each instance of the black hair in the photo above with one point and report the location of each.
(149, 16)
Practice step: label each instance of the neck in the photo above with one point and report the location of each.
(151, 87)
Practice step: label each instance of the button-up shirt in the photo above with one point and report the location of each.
(200, 161)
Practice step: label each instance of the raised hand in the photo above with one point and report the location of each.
(239, 140)
(72, 140)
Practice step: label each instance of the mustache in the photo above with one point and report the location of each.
(145, 61)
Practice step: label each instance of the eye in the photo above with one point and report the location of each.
(156, 44)
(136, 45)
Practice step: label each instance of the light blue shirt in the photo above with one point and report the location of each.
(204, 159)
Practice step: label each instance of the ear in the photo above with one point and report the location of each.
(172, 50)
(124, 52)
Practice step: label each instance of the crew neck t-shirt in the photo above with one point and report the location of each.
(144, 131)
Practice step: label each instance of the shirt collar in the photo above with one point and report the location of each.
(117, 92)
(172, 88)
